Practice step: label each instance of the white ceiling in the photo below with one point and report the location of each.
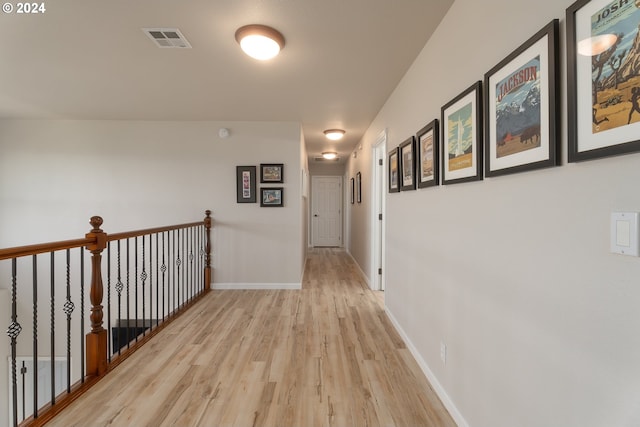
(90, 60)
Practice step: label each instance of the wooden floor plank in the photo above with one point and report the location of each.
(326, 355)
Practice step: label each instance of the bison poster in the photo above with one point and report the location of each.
(521, 107)
(518, 110)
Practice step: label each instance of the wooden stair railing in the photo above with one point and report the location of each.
(98, 359)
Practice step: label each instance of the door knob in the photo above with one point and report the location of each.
(316, 215)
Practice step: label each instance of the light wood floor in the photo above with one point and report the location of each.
(323, 356)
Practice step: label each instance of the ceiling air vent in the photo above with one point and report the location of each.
(167, 37)
(322, 159)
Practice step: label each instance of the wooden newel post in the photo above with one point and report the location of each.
(207, 250)
(97, 339)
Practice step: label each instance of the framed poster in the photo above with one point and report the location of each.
(245, 184)
(521, 118)
(408, 164)
(603, 78)
(428, 158)
(359, 187)
(272, 197)
(394, 183)
(462, 137)
(271, 173)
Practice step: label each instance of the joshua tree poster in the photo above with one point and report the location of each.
(603, 78)
(616, 70)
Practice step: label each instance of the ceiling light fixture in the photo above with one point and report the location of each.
(334, 134)
(329, 155)
(259, 41)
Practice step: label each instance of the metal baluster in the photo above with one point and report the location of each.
(201, 269)
(191, 240)
(119, 288)
(128, 296)
(82, 343)
(143, 278)
(109, 351)
(150, 282)
(35, 335)
(12, 332)
(53, 329)
(136, 289)
(157, 279)
(175, 276)
(68, 309)
(178, 268)
(164, 271)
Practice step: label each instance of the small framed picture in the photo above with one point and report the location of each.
(245, 184)
(428, 157)
(271, 173)
(603, 94)
(272, 197)
(353, 190)
(462, 137)
(394, 181)
(408, 164)
(521, 117)
(359, 187)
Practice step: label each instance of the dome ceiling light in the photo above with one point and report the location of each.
(259, 41)
(334, 134)
(329, 155)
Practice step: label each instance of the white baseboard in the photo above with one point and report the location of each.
(364, 276)
(437, 387)
(256, 286)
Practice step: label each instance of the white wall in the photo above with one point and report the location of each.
(512, 273)
(54, 175)
(359, 230)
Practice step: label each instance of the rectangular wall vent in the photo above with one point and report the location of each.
(167, 37)
(322, 159)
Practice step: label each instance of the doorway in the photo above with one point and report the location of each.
(378, 211)
(326, 211)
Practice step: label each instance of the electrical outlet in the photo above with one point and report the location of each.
(443, 352)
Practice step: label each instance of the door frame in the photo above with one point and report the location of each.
(378, 191)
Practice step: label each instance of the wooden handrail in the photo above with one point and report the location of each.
(21, 251)
(129, 234)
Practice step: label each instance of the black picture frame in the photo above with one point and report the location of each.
(271, 197)
(407, 154)
(353, 190)
(428, 155)
(521, 118)
(359, 187)
(600, 109)
(393, 171)
(245, 184)
(271, 173)
(461, 153)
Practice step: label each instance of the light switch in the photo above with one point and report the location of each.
(624, 233)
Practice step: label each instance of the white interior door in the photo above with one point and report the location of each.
(378, 230)
(326, 210)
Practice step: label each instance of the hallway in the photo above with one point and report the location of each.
(325, 355)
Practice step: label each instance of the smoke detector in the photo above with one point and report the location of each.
(167, 37)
